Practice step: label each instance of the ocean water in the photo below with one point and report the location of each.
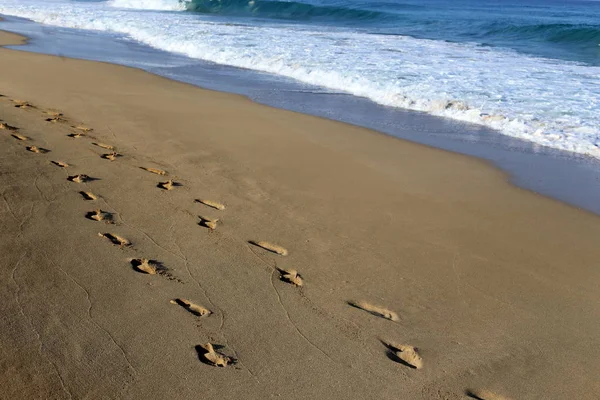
(530, 69)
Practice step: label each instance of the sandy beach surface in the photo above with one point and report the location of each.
(425, 275)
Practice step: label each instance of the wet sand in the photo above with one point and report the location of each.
(495, 287)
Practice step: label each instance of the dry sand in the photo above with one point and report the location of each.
(495, 287)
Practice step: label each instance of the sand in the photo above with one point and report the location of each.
(495, 288)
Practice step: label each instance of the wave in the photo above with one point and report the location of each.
(282, 10)
(463, 81)
(273, 9)
(570, 34)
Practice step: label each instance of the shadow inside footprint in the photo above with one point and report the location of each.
(7, 127)
(99, 215)
(60, 164)
(168, 185)
(151, 267)
(154, 170)
(377, 311)
(393, 351)
(88, 195)
(213, 358)
(82, 178)
(111, 156)
(483, 395)
(273, 248)
(55, 119)
(472, 395)
(290, 276)
(116, 239)
(192, 308)
(208, 222)
(23, 104)
(39, 150)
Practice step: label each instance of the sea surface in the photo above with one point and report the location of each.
(529, 69)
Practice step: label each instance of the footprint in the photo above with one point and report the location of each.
(7, 127)
(104, 146)
(154, 170)
(484, 395)
(208, 355)
(81, 178)
(405, 354)
(208, 222)
(82, 128)
(375, 310)
(35, 149)
(88, 195)
(60, 164)
(211, 203)
(99, 215)
(168, 185)
(116, 239)
(111, 156)
(146, 266)
(19, 137)
(55, 119)
(76, 135)
(191, 307)
(23, 104)
(291, 276)
(271, 247)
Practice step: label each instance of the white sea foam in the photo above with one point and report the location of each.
(165, 5)
(549, 102)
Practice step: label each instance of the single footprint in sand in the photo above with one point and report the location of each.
(104, 146)
(209, 356)
(405, 354)
(7, 127)
(60, 164)
(35, 149)
(191, 307)
(81, 178)
(146, 266)
(76, 135)
(291, 276)
(168, 185)
(99, 215)
(111, 156)
(88, 195)
(116, 239)
(484, 395)
(208, 222)
(154, 170)
(23, 104)
(375, 310)
(19, 137)
(211, 203)
(82, 128)
(55, 119)
(271, 247)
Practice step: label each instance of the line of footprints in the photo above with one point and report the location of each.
(209, 353)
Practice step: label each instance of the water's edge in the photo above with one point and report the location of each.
(566, 177)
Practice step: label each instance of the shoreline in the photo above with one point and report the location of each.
(562, 176)
(495, 285)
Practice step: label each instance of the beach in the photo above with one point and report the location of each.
(496, 287)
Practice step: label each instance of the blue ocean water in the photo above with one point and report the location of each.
(568, 30)
(529, 68)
